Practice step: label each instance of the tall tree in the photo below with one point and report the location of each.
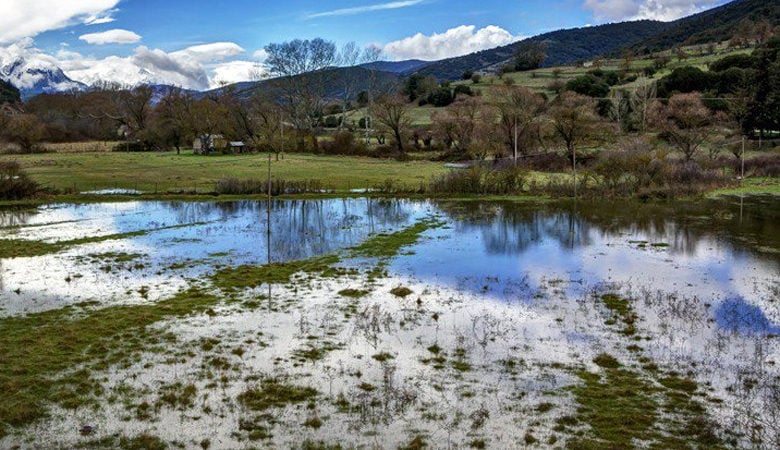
(302, 67)
(573, 118)
(392, 112)
(519, 110)
(642, 100)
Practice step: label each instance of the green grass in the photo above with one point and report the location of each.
(619, 407)
(752, 186)
(163, 172)
(274, 394)
(37, 351)
(388, 245)
(244, 277)
(18, 248)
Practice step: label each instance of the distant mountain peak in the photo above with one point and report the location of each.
(34, 74)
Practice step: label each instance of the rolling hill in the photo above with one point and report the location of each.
(714, 25)
(563, 47)
(568, 46)
(333, 81)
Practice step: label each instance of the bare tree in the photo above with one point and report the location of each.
(301, 66)
(171, 115)
(684, 122)
(573, 118)
(24, 130)
(371, 54)
(642, 100)
(518, 110)
(348, 57)
(466, 126)
(207, 118)
(268, 117)
(619, 107)
(392, 112)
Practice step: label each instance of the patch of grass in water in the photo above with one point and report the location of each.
(388, 245)
(384, 356)
(616, 304)
(401, 291)
(606, 361)
(19, 248)
(247, 277)
(315, 351)
(143, 441)
(274, 394)
(353, 293)
(619, 408)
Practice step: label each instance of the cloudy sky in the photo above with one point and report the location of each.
(200, 43)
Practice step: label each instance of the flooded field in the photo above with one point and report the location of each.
(371, 323)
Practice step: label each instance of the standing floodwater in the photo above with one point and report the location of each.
(392, 322)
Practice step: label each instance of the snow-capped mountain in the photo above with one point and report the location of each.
(33, 73)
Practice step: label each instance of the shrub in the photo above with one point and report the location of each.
(498, 180)
(344, 143)
(132, 147)
(14, 182)
(761, 166)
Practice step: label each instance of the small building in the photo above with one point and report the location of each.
(237, 146)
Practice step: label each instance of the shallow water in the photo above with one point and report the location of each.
(498, 282)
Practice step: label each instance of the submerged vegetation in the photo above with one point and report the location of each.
(308, 350)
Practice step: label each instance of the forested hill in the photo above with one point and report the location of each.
(563, 47)
(8, 93)
(714, 25)
(334, 83)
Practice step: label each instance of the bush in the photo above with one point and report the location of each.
(761, 166)
(14, 182)
(498, 180)
(132, 147)
(344, 143)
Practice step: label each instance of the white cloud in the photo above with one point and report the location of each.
(216, 51)
(101, 18)
(28, 18)
(260, 55)
(365, 9)
(457, 41)
(117, 36)
(665, 10)
(237, 71)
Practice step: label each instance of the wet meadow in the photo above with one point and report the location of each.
(391, 323)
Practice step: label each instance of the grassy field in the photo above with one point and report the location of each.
(162, 172)
(539, 80)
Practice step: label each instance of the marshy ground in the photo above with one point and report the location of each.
(391, 324)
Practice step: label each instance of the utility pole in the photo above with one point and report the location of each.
(515, 149)
(742, 175)
(574, 169)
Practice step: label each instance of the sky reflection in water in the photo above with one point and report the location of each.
(723, 252)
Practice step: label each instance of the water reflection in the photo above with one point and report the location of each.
(739, 316)
(208, 234)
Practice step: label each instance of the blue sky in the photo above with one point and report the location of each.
(199, 43)
(174, 24)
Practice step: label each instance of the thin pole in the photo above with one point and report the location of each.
(574, 168)
(742, 177)
(515, 152)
